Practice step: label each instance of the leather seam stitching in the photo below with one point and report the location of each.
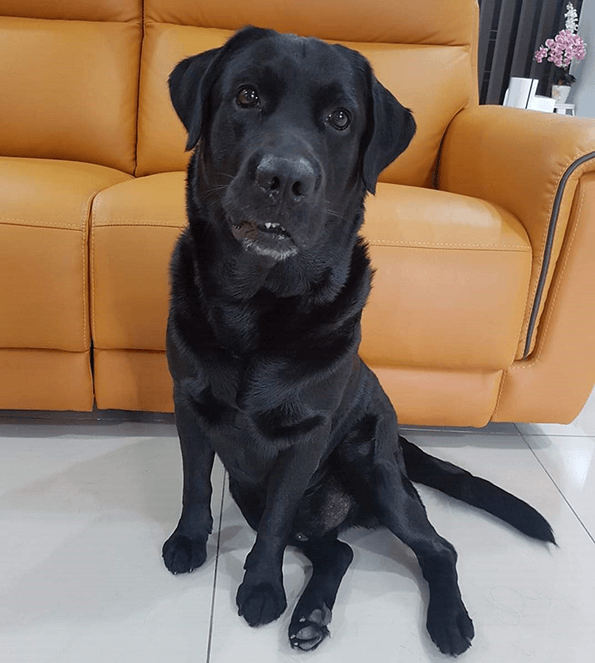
(381, 242)
(124, 223)
(464, 46)
(87, 217)
(138, 91)
(14, 348)
(138, 350)
(40, 224)
(500, 392)
(92, 272)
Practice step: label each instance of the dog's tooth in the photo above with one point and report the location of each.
(268, 225)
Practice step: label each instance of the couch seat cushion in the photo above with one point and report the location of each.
(135, 226)
(451, 284)
(45, 208)
(449, 291)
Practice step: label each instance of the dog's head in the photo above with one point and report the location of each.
(291, 133)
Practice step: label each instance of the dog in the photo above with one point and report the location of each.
(268, 282)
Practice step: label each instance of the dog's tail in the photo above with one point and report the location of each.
(464, 486)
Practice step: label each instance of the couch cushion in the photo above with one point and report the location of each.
(45, 207)
(45, 380)
(74, 10)
(450, 288)
(140, 380)
(430, 22)
(70, 89)
(135, 226)
(452, 280)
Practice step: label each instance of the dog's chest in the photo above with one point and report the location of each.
(253, 395)
(261, 328)
(223, 384)
(256, 363)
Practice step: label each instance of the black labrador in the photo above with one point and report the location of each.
(268, 285)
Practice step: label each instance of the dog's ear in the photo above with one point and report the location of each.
(390, 129)
(191, 80)
(188, 92)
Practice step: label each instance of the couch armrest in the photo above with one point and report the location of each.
(529, 163)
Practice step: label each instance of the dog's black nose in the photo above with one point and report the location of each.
(291, 179)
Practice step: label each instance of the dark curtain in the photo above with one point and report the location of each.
(510, 31)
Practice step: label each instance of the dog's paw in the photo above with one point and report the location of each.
(307, 631)
(182, 554)
(260, 603)
(450, 628)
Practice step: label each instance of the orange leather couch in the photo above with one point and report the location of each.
(484, 299)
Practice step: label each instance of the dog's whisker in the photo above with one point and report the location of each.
(214, 189)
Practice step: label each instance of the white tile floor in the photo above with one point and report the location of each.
(85, 506)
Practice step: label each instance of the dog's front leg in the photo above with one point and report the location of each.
(261, 596)
(186, 548)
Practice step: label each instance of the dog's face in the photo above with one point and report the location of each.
(292, 133)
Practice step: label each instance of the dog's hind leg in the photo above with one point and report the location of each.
(330, 559)
(373, 475)
(398, 506)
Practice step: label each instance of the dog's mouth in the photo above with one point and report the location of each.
(251, 230)
(267, 239)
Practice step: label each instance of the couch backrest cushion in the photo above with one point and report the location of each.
(446, 22)
(69, 72)
(74, 10)
(424, 53)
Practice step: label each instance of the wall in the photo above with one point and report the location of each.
(583, 91)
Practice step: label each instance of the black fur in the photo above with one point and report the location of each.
(460, 484)
(264, 329)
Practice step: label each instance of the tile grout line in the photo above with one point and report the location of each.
(212, 619)
(558, 488)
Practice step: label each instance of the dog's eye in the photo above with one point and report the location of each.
(247, 97)
(339, 119)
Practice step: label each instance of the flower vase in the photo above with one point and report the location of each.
(560, 93)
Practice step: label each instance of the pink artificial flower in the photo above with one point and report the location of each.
(562, 50)
(540, 54)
